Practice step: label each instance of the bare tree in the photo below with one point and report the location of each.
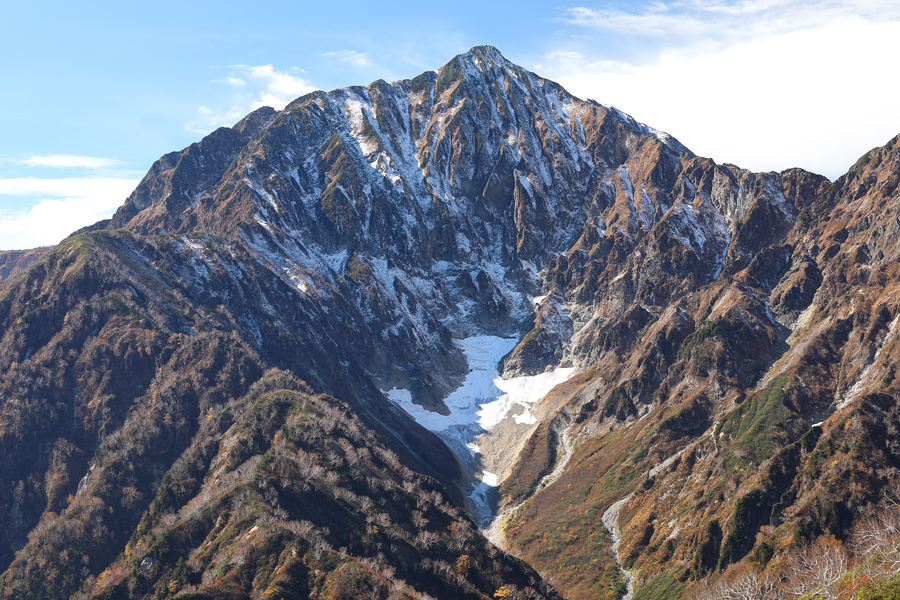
(309, 469)
(877, 538)
(818, 570)
(418, 519)
(426, 539)
(747, 585)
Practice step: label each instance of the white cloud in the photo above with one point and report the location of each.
(66, 186)
(357, 59)
(213, 119)
(280, 86)
(68, 161)
(727, 20)
(652, 22)
(65, 205)
(766, 85)
(259, 85)
(236, 82)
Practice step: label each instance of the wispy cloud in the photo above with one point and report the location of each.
(80, 187)
(280, 87)
(572, 57)
(235, 82)
(766, 84)
(652, 21)
(62, 206)
(211, 119)
(357, 59)
(254, 86)
(721, 19)
(68, 161)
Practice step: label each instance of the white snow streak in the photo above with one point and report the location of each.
(864, 378)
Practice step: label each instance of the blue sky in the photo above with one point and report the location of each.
(94, 92)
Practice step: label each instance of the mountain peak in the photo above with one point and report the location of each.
(256, 121)
(481, 59)
(463, 115)
(486, 51)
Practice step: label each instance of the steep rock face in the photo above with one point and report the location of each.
(752, 403)
(733, 335)
(430, 203)
(178, 180)
(544, 345)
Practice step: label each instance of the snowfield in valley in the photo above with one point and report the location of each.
(479, 405)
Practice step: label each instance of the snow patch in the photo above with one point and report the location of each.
(864, 378)
(336, 261)
(489, 478)
(687, 229)
(481, 497)
(355, 116)
(265, 224)
(399, 395)
(525, 418)
(298, 282)
(720, 262)
(698, 225)
(262, 192)
(646, 212)
(520, 391)
(480, 404)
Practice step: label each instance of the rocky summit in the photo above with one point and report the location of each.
(459, 336)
